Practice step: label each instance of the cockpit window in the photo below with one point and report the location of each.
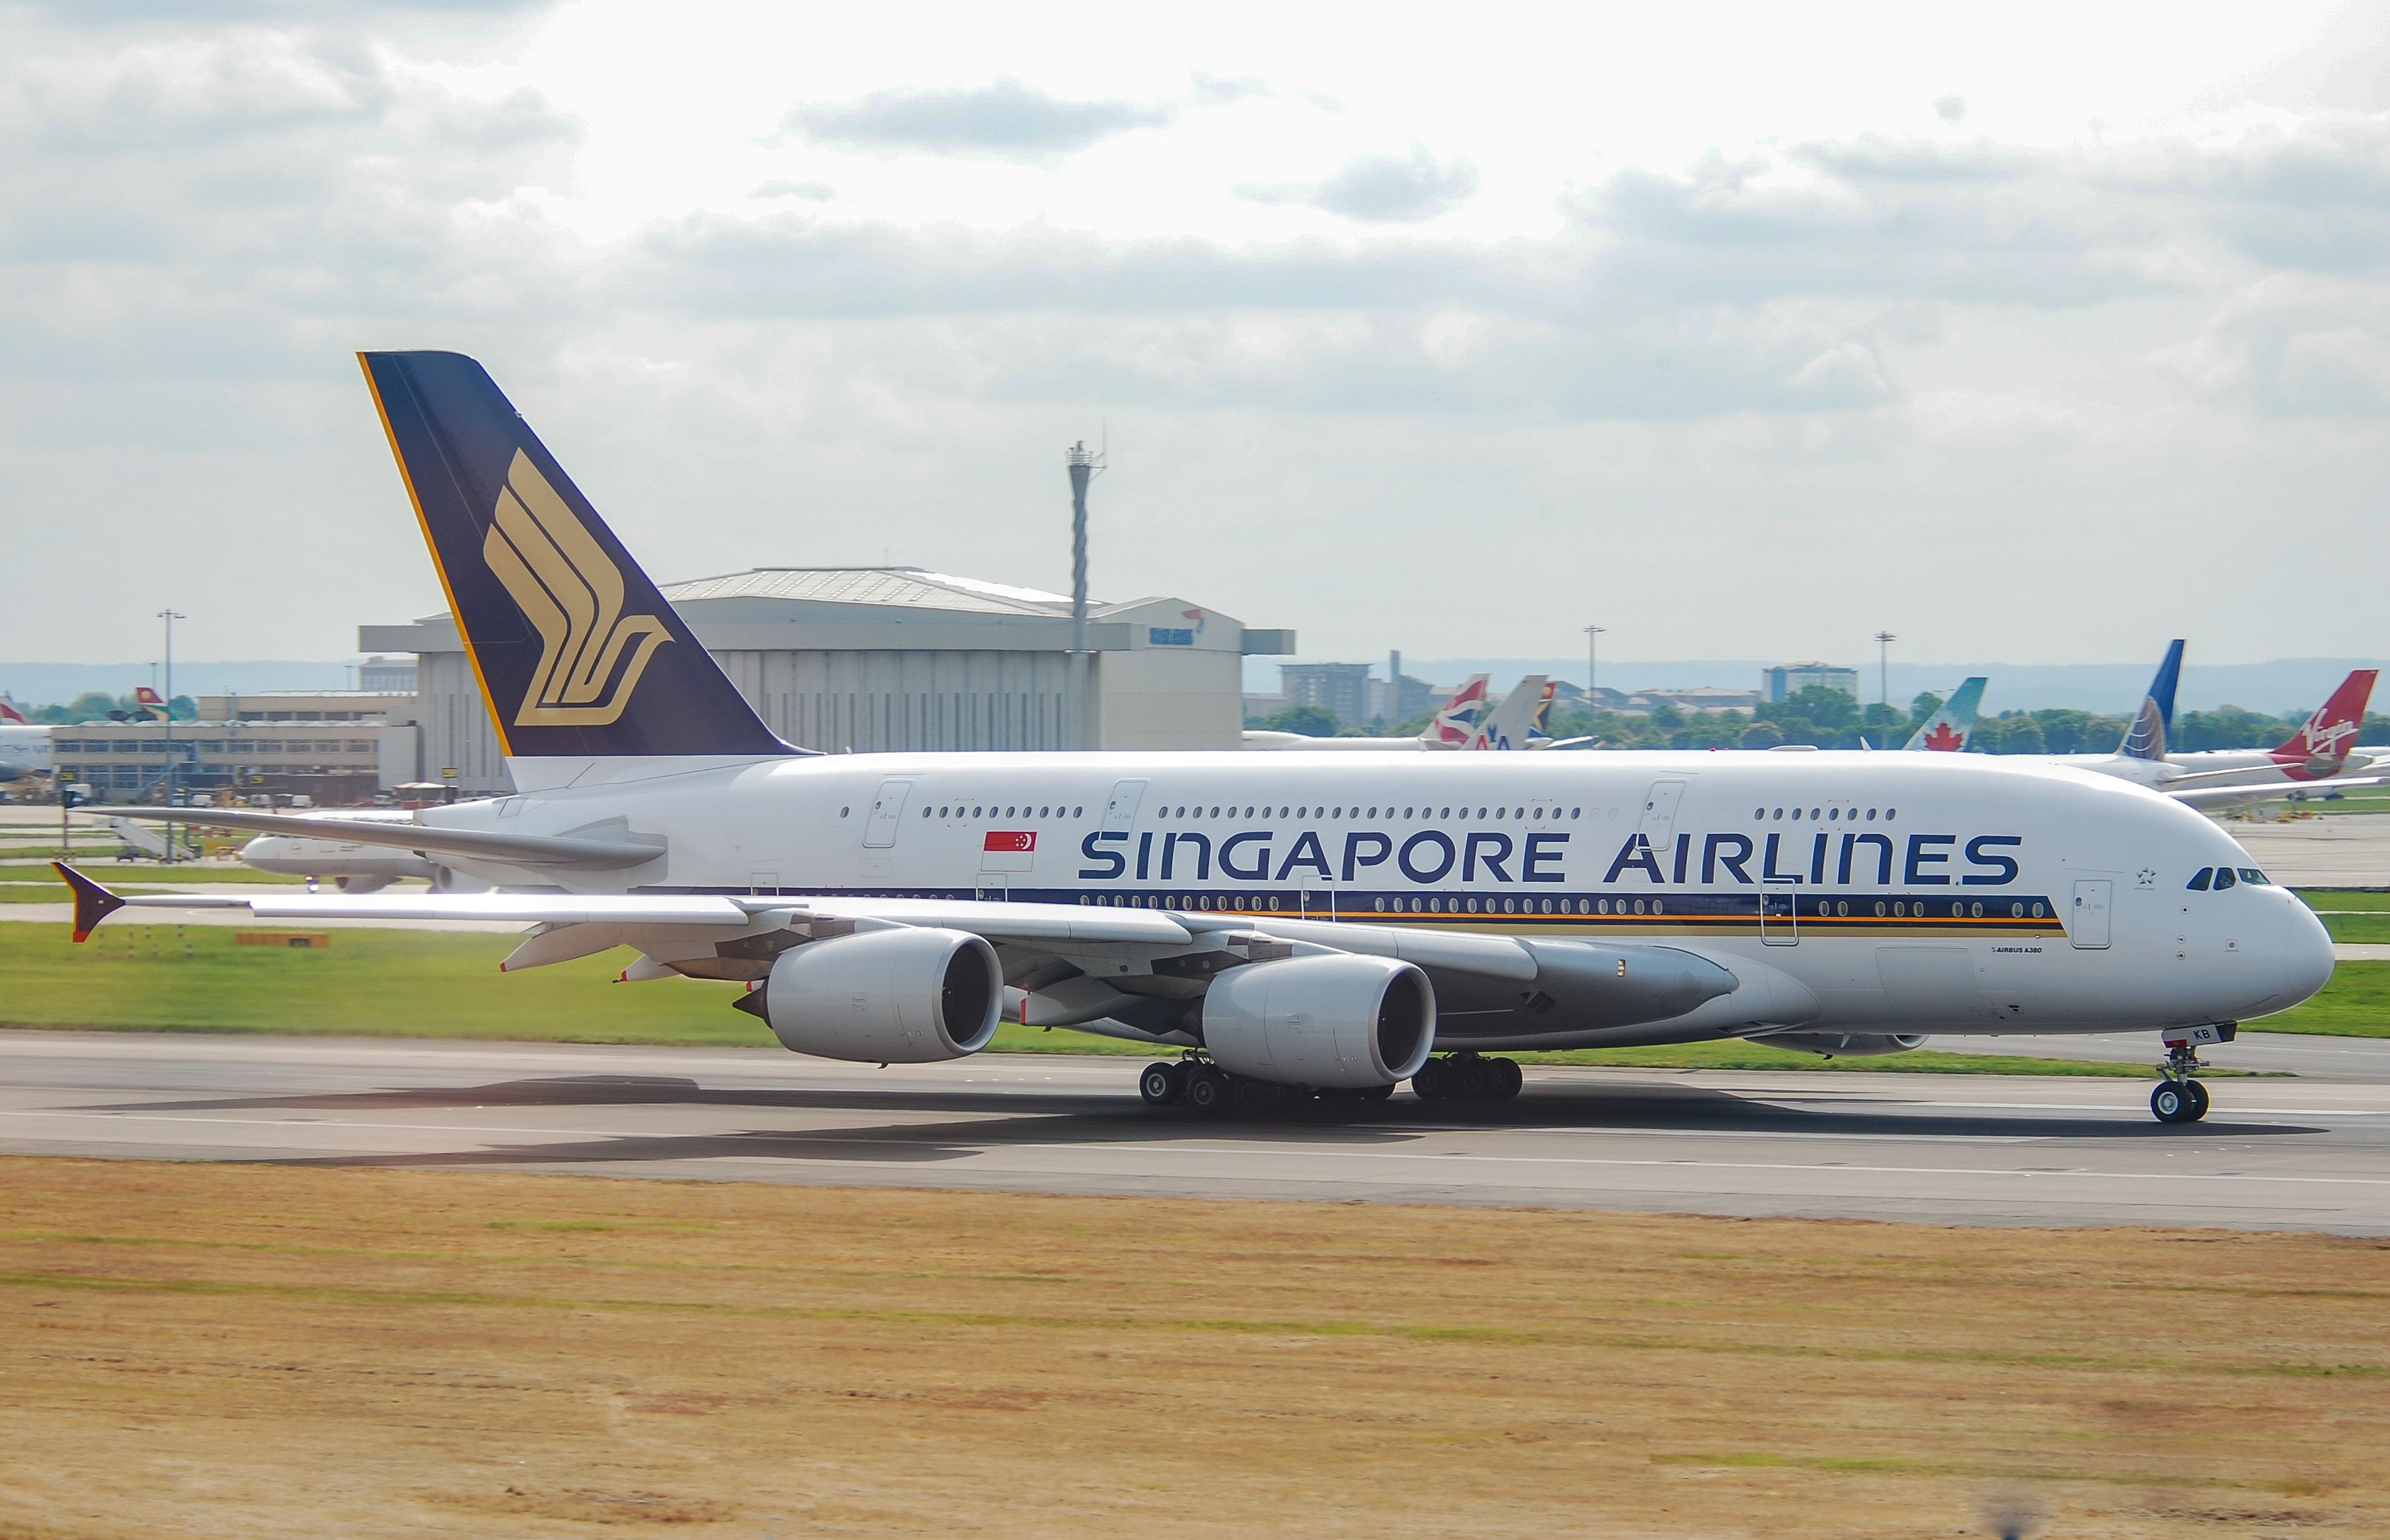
(2198, 882)
(2252, 875)
(2224, 878)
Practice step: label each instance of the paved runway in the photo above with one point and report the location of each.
(1973, 1150)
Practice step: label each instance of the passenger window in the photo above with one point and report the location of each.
(2252, 875)
(2224, 878)
(2198, 882)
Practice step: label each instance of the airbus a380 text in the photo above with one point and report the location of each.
(1295, 922)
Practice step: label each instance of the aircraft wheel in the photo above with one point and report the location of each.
(1257, 1097)
(2198, 1099)
(2171, 1103)
(1159, 1084)
(1513, 1079)
(1206, 1089)
(1479, 1081)
(1433, 1080)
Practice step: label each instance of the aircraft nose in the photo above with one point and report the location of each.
(2306, 953)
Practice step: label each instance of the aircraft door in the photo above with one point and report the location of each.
(880, 829)
(2089, 930)
(1779, 914)
(1658, 824)
(1120, 814)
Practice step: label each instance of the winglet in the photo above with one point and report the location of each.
(93, 903)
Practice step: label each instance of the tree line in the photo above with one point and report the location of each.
(1834, 719)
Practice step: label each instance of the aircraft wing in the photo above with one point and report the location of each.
(2208, 799)
(521, 850)
(1046, 943)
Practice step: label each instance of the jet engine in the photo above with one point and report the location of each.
(1345, 1021)
(1848, 1045)
(904, 997)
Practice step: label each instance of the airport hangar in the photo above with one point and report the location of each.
(876, 658)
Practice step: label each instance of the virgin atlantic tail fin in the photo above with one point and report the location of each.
(2321, 746)
(577, 654)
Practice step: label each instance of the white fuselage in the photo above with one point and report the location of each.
(1885, 893)
(2213, 767)
(24, 751)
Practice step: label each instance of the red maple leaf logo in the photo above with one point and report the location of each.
(1944, 738)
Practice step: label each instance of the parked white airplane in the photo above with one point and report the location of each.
(1298, 922)
(1454, 726)
(350, 866)
(24, 751)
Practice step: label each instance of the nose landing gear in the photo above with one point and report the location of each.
(2178, 1098)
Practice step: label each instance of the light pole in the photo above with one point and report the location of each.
(1084, 468)
(170, 617)
(1592, 663)
(1884, 640)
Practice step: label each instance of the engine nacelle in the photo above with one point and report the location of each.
(1346, 1021)
(905, 997)
(1845, 1045)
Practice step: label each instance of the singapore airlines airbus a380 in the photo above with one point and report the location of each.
(1300, 924)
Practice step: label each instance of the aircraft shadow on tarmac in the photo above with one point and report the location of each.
(993, 1119)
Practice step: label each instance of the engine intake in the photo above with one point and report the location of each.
(906, 996)
(1346, 1021)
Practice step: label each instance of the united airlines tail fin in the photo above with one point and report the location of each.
(1950, 729)
(1455, 725)
(2321, 744)
(577, 654)
(2146, 738)
(1508, 724)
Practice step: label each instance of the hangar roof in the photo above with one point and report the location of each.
(905, 587)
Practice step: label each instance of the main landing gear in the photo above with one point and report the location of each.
(1204, 1087)
(2178, 1098)
(1468, 1077)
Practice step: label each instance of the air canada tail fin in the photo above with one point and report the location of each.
(2146, 738)
(577, 653)
(2322, 742)
(1952, 727)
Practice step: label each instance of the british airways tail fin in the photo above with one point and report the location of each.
(2321, 744)
(2146, 738)
(577, 653)
(1951, 728)
(1456, 723)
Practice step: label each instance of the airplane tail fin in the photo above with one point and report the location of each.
(1539, 729)
(9, 712)
(2146, 738)
(1456, 723)
(149, 703)
(2322, 742)
(1506, 726)
(1950, 729)
(577, 653)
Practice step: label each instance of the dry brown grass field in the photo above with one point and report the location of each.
(252, 1350)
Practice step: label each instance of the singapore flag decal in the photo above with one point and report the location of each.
(1008, 850)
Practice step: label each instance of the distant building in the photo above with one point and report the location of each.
(895, 659)
(1786, 680)
(1343, 688)
(388, 675)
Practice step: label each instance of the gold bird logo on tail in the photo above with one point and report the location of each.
(572, 593)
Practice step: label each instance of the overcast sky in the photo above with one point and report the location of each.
(2033, 332)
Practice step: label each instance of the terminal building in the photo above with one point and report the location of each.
(1786, 680)
(876, 658)
(337, 747)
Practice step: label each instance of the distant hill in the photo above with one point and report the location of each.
(2284, 685)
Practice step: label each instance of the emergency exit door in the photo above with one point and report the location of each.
(880, 829)
(2088, 929)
